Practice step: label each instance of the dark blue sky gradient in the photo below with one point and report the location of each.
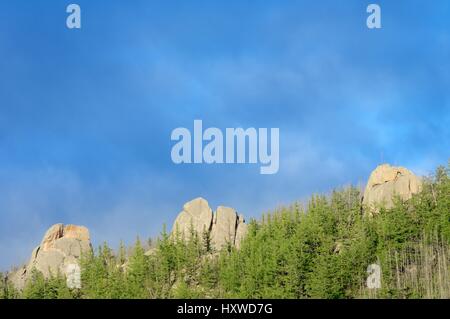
(86, 115)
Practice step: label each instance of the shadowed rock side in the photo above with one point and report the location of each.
(241, 231)
(387, 181)
(224, 226)
(59, 251)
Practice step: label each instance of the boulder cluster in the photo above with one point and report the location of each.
(58, 253)
(62, 246)
(60, 249)
(224, 227)
(387, 181)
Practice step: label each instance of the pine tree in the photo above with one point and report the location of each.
(95, 273)
(321, 250)
(7, 290)
(137, 272)
(35, 287)
(3, 286)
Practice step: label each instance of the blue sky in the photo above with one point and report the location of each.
(86, 115)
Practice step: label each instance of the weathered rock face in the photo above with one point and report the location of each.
(59, 251)
(241, 231)
(196, 215)
(387, 181)
(224, 226)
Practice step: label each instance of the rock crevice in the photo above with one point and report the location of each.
(224, 226)
(387, 181)
(58, 252)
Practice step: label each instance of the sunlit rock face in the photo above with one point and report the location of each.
(385, 182)
(224, 227)
(58, 252)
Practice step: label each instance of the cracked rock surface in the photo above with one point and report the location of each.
(385, 182)
(59, 252)
(224, 226)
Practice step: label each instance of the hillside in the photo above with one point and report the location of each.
(318, 250)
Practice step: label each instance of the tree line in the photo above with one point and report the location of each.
(318, 250)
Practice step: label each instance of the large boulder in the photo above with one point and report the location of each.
(387, 181)
(241, 231)
(196, 216)
(59, 252)
(223, 227)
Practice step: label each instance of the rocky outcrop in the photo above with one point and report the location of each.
(196, 216)
(59, 252)
(224, 226)
(387, 181)
(241, 231)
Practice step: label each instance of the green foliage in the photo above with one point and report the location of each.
(7, 290)
(102, 275)
(38, 287)
(137, 272)
(321, 250)
(3, 286)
